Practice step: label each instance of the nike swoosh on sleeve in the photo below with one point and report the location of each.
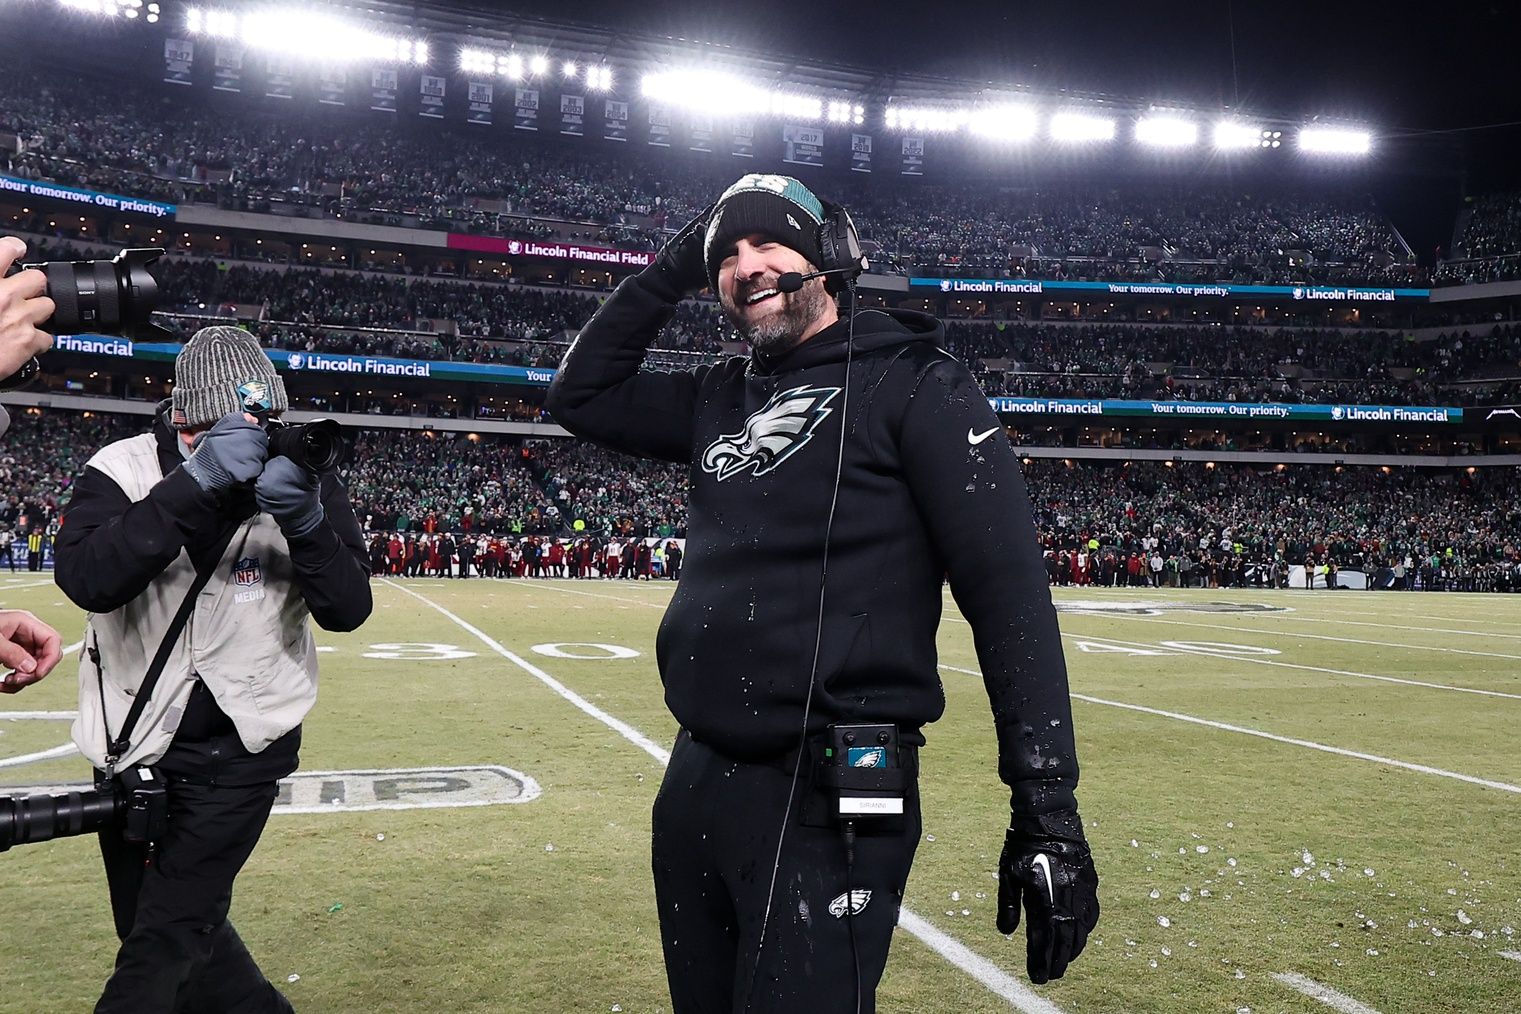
(976, 438)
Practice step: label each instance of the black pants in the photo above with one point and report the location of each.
(714, 846)
(179, 954)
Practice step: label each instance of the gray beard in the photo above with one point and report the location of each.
(779, 332)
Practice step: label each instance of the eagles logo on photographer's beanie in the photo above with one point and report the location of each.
(765, 203)
(220, 370)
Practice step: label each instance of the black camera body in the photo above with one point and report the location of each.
(137, 799)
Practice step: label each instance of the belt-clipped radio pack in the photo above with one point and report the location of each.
(863, 772)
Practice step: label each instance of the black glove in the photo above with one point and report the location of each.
(230, 453)
(1046, 863)
(679, 268)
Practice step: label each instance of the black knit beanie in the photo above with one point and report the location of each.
(775, 206)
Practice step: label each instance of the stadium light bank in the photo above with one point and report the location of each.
(309, 34)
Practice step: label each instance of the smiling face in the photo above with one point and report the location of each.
(770, 320)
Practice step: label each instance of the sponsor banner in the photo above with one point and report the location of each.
(385, 366)
(860, 153)
(660, 125)
(743, 139)
(555, 250)
(479, 94)
(74, 195)
(1341, 294)
(701, 133)
(525, 115)
(333, 86)
(1217, 410)
(615, 126)
(179, 57)
(802, 145)
(318, 362)
(912, 163)
(279, 77)
(431, 97)
(572, 115)
(227, 74)
(384, 87)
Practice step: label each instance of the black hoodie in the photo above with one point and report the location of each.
(929, 486)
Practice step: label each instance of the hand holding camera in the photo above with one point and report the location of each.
(289, 494)
(232, 452)
(24, 307)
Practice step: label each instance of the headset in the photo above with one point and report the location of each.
(839, 249)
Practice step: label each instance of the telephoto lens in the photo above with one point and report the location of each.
(25, 820)
(317, 446)
(117, 296)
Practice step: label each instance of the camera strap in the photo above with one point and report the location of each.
(117, 747)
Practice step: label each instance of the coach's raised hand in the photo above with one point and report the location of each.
(679, 269)
(1047, 866)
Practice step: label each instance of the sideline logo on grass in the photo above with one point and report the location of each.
(385, 789)
(1135, 608)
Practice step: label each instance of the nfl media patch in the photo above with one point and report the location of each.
(248, 577)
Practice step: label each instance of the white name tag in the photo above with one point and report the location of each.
(869, 805)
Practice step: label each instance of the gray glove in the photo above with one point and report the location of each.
(288, 493)
(229, 453)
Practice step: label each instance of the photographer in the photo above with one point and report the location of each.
(23, 306)
(148, 516)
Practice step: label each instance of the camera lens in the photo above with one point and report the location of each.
(101, 295)
(28, 819)
(317, 446)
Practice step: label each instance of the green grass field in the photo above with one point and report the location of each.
(1328, 791)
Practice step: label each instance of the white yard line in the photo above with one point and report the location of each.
(27, 758)
(1512, 955)
(1323, 993)
(1019, 996)
(1300, 617)
(1207, 653)
(536, 584)
(1289, 740)
(623, 729)
(1297, 633)
(29, 584)
(52, 716)
(1227, 656)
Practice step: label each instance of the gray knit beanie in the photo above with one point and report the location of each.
(220, 370)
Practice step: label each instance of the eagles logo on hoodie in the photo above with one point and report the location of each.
(770, 435)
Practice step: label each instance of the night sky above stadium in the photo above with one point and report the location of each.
(1422, 66)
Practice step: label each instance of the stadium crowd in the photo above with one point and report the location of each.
(124, 140)
(1181, 524)
(1100, 523)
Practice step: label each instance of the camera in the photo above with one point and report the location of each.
(135, 798)
(317, 446)
(117, 296)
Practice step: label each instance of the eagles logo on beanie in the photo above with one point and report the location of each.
(765, 203)
(222, 369)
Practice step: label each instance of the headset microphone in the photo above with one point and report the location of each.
(792, 281)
